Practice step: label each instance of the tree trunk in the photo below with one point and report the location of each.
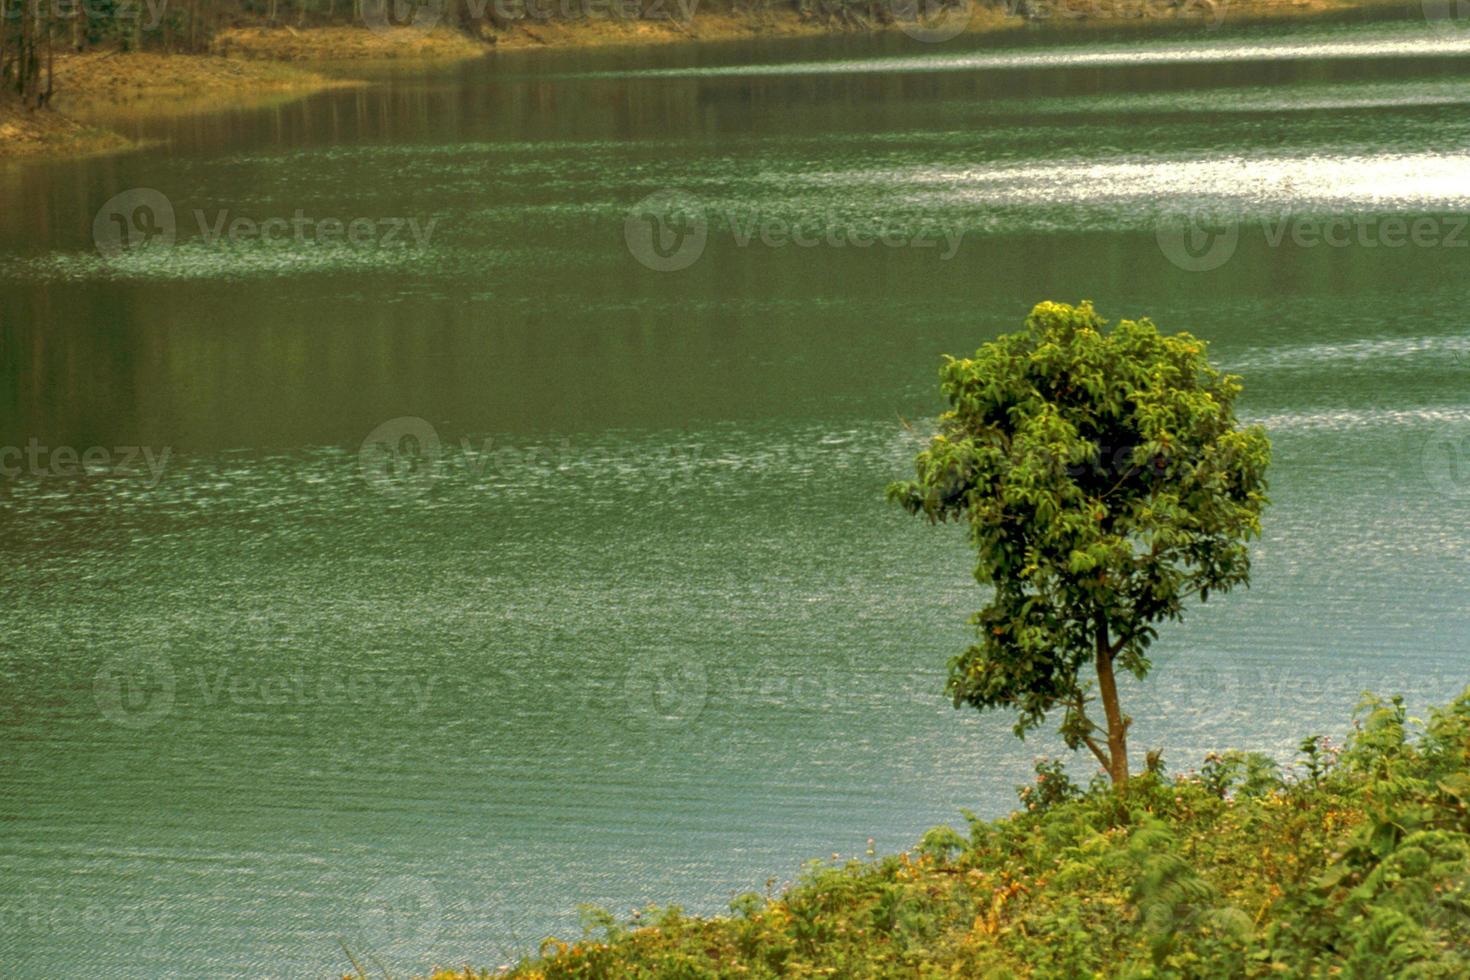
(1117, 724)
(30, 57)
(45, 96)
(4, 43)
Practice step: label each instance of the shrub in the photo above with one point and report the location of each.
(1358, 868)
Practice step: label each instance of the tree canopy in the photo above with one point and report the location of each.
(1105, 481)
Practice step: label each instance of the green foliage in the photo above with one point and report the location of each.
(596, 919)
(1052, 787)
(1249, 773)
(1104, 481)
(1318, 755)
(1359, 870)
(938, 843)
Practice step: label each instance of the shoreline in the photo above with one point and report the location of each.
(248, 67)
(1244, 867)
(101, 87)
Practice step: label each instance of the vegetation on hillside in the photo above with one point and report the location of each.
(1353, 862)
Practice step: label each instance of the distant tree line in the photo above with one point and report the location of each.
(32, 32)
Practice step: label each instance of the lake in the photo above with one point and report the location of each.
(470, 493)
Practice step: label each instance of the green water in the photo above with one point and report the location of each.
(630, 622)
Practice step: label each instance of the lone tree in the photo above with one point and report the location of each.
(1105, 481)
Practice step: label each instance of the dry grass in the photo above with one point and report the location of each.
(344, 44)
(99, 84)
(25, 135)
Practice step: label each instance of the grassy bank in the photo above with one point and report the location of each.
(673, 24)
(102, 84)
(37, 135)
(244, 67)
(1354, 862)
(561, 24)
(98, 86)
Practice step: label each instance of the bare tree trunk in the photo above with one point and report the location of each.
(1107, 688)
(45, 96)
(4, 42)
(30, 58)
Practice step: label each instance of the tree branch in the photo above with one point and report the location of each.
(1087, 739)
(1108, 692)
(1102, 757)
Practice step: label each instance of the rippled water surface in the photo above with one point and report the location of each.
(646, 630)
